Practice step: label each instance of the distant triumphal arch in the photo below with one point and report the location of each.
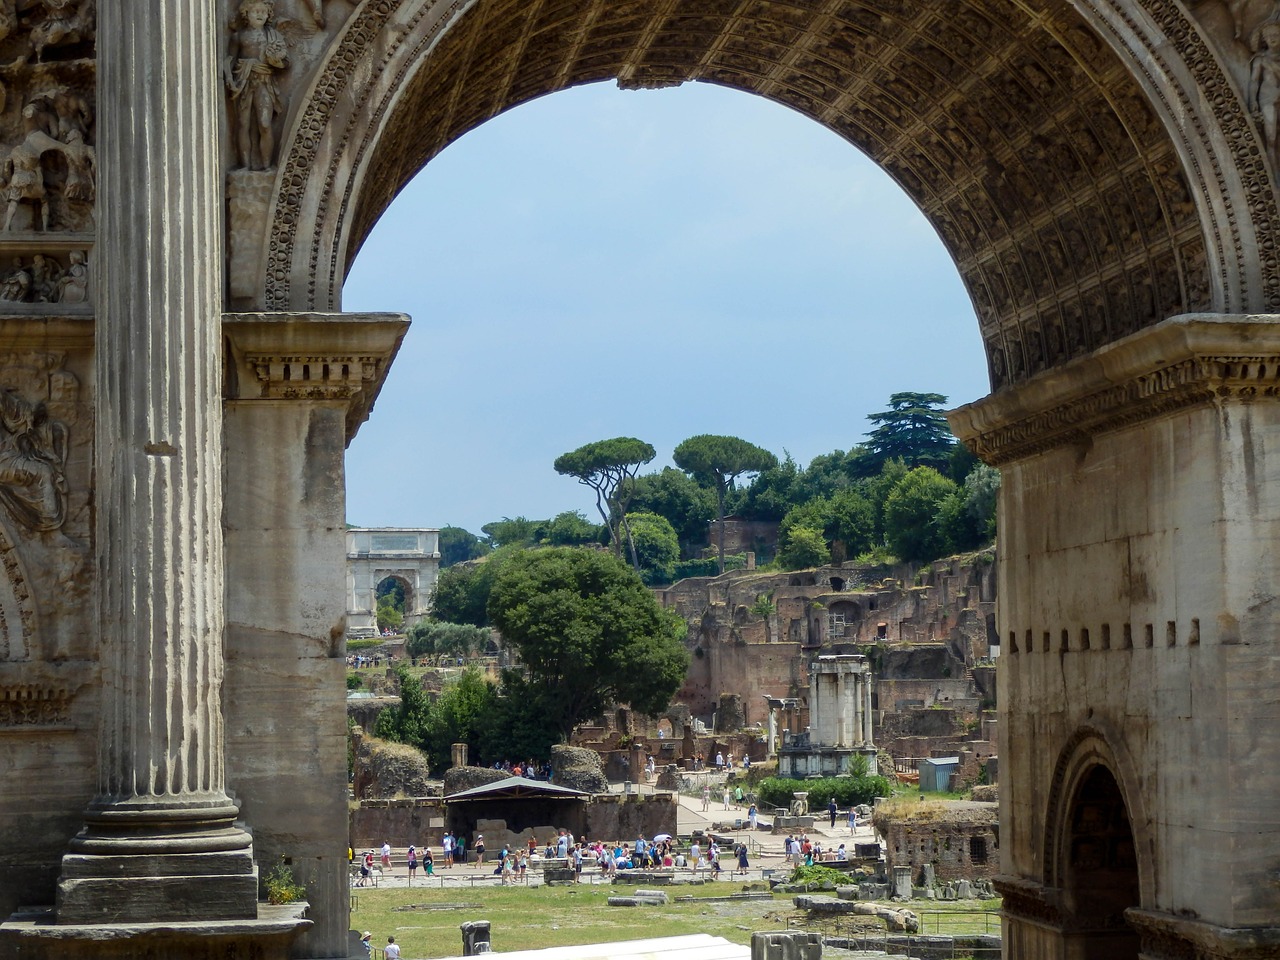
(177, 397)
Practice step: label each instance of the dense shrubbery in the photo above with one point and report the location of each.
(848, 791)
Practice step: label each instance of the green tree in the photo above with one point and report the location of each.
(391, 607)
(588, 633)
(455, 639)
(878, 488)
(572, 529)
(518, 532)
(673, 494)
(407, 721)
(968, 516)
(458, 545)
(773, 492)
(913, 430)
(461, 593)
(608, 467)
(718, 461)
(656, 546)
(850, 523)
(911, 519)
(803, 547)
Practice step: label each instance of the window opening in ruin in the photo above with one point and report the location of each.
(835, 624)
(977, 849)
(837, 584)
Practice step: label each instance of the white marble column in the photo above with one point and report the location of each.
(159, 483)
(867, 725)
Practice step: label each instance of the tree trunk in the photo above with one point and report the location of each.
(720, 538)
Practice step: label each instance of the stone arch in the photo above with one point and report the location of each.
(406, 584)
(1093, 802)
(17, 610)
(1151, 206)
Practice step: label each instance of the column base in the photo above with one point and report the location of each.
(34, 935)
(143, 863)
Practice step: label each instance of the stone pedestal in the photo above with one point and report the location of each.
(268, 937)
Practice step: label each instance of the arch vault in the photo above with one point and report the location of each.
(1103, 172)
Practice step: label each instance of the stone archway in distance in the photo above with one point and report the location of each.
(1103, 173)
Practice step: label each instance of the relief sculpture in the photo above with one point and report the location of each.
(257, 54)
(1263, 94)
(42, 279)
(33, 460)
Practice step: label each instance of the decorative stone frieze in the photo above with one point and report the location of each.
(1166, 937)
(1185, 361)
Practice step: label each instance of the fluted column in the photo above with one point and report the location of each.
(867, 724)
(159, 483)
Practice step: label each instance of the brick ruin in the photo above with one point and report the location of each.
(928, 632)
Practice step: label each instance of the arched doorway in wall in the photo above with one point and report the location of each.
(394, 592)
(1098, 868)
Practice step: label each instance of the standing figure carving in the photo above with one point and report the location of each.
(1263, 94)
(257, 54)
(33, 459)
(22, 173)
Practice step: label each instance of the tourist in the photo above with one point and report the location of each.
(853, 820)
(719, 761)
(522, 866)
(386, 857)
(447, 843)
(841, 854)
(832, 810)
(507, 868)
(577, 863)
(479, 849)
(741, 851)
(366, 868)
(727, 796)
(368, 947)
(412, 859)
(460, 849)
(392, 950)
(752, 816)
(428, 864)
(737, 794)
(706, 796)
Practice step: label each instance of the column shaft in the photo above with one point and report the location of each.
(159, 485)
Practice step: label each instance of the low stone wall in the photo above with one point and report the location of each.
(419, 821)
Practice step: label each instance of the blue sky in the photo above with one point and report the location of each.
(655, 264)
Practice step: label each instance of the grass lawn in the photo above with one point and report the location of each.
(425, 922)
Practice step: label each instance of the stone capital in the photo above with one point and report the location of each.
(340, 357)
(1184, 361)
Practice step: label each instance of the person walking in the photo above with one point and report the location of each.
(386, 857)
(853, 820)
(448, 850)
(706, 797)
(412, 860)
(727, 797)
(742, 859)
(479, 849)
(832, 810)
(752, 815)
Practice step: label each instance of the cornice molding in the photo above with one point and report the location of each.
(1183, 362)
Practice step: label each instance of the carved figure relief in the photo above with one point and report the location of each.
(1263, 94)
(257, 54)
(33, 460)
(41, 279)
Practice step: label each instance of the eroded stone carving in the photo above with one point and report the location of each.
(27, 705)
(55, 122)
(1263, 94)
(41, 279)
(64, 23)
(33, 461)
(257, 54)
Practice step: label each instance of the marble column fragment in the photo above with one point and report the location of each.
(160, 840)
